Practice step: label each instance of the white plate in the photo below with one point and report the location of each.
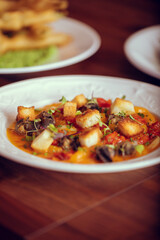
(143, 50)
(46, 90)
(86, 41)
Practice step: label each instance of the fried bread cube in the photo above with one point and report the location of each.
(42, 142)
(121, 105)
(25, 112)
(129, 127)
(69, 109)
(90, 137)
(88, 118)
(81, 100)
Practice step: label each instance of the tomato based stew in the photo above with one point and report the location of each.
(86, 130)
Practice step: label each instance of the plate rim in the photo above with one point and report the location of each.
(67, 62)
(130, 57)
(79, 168)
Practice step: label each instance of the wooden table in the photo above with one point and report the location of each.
(39, 204)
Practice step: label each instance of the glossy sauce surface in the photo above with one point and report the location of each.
(84, 155)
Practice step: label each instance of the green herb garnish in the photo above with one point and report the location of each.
(78, 112)
(93, 100)
(122, 114)
(123, 97)
(69, 126)
(35, 121)
(59, 126)
(29, 138)
(81, 149)
(110, 145)
(63, 100)
(141, 115)
(34, 153)
(51, 111)
(52, 128)
(139, 148)
(134, 119)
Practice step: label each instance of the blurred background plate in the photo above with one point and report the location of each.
(86, 41)
(143, 50)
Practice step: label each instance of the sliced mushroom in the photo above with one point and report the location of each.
(69, 142)
(46, 119)
(25, 125)
(105, 153)
(125, 148)
(114, 119)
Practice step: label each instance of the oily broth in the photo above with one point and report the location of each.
(84, 156)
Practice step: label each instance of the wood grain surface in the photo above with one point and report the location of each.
(36, 204)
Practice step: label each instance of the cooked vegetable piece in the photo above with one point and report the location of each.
(154, 143)
(24, 126)
(42, 142)
(46, 119)
(114, 138)
(69, 142)
(125, 148)
(104, 103)
(105, 153)
(90, 105)
(139, 148)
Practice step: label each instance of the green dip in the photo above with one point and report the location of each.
(27, 58)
